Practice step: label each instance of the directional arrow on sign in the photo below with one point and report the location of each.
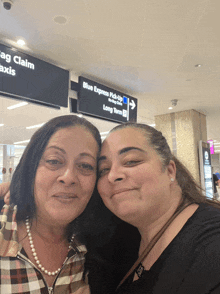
(132, 104)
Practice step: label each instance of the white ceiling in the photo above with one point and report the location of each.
(145, 48)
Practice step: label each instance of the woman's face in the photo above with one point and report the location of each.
(66, 175)
(131, 181)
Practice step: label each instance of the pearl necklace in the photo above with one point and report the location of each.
(39, 265)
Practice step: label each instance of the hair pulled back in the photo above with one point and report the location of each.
(191, 191)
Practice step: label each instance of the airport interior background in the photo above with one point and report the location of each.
(164, 53)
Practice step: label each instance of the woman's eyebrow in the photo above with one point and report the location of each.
(58, 148)
(84, 154)
(122, 151)
(101, 158)
(127, 149)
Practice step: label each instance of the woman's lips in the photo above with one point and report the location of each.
(65, 196)
(119, 191)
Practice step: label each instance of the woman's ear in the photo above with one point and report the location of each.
(171, 170)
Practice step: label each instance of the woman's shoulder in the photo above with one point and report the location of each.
(207, 215)
(202, 229)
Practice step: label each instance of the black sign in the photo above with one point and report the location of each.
(206, 156)
(24, 76)
(206, 168)
(98, 100)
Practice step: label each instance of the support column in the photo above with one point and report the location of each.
(183, 131)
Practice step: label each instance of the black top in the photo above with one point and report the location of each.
(191, 262)
(109, 262)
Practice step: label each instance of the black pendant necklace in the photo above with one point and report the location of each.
(140, 270)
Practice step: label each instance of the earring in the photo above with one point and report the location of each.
(172, 179)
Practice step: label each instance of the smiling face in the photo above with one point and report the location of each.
(66, 175)
(132, 182)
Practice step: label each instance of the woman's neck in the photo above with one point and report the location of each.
(50, 243)
(49, 233)
(151, 224)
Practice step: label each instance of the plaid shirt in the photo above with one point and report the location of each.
(20, 275)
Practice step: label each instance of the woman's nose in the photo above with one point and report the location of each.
(68, 176)
(115, 174)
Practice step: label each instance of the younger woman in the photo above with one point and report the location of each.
(145, 185)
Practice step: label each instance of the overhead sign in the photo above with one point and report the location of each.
(103, 102)
(24, 76)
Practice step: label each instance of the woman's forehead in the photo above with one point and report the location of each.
(75, 137)
(125, 137)
(71, 131)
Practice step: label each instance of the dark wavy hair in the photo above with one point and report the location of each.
(191, 191)
(22, 185)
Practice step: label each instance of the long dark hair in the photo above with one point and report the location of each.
(22, 185)
(96, 227)
(191, 191)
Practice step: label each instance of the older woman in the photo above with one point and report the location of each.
(51, 187)
(44, 230)
(143, 184)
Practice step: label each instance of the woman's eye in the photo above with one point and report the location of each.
(132, 162)
(53, 161)
(86, 166)
(103, 172)
(53, 164)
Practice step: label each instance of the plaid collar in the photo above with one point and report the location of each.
(9, 245)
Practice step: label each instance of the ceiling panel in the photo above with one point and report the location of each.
(147, 49)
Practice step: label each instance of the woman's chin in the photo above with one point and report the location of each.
(126, 211)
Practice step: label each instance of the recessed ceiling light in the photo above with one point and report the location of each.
(17, 105)
(198, 65)
(1, 125)
(170, 108)
(60, 19)
(21, 42)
